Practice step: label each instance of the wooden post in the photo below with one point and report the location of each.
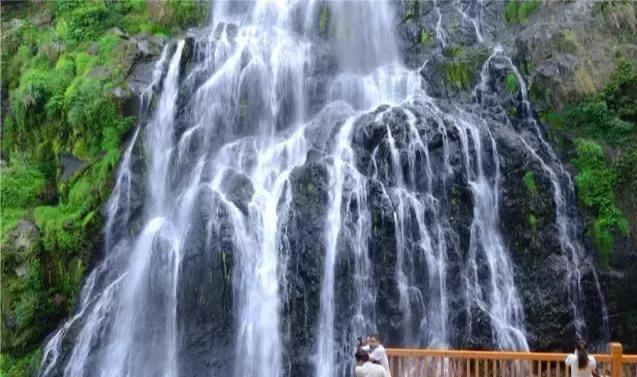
(616, 351)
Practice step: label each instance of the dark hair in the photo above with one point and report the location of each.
(582, 355)
(374, 335)
(361, 356)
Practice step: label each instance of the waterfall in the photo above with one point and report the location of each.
(563, 196)
(294, 187)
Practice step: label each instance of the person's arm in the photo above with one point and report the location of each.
(592, 363)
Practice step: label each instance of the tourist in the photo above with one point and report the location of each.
(582, 364)
(365, 368)
(377, 352)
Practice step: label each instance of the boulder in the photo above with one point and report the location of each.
(70, 166)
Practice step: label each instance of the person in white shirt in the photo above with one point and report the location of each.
(582, 364)
(377, 352)
(365, 368)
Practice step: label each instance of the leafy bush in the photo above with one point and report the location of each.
(21, 184)
(191, 12)
(597, 120)
(519, 11)
(85, 21)
(621, 92)
(595, 184)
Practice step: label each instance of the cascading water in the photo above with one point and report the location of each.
(300, 190)
(563, 194)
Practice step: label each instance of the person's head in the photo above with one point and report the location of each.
(373, 340)
(361, 357)
(582, 353)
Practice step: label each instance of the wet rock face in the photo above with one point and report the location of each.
(205, 316)
(620, 284)
(305, 237)
(568, 49)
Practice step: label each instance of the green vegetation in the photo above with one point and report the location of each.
(324, 19)
(606, 182)
(61, 64)
(619, 16)
(512, 84)
(461, 67)
(529, 182)
(412, 10)
(595, 182)
(532, 221)
(519, 11)
(459, 74)
(424, 38)
(21, 366)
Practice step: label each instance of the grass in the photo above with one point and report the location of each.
(519, 11)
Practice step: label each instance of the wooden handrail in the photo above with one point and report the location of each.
(485, 355)
(629, 359)
(472, 363)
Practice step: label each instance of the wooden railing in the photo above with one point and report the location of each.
(454, 363)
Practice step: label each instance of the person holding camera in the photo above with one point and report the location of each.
(365, 368)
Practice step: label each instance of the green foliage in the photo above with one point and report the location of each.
(604, 186)
(424, 37)
(529, 182)
(21, 366)
(412, 10)
(458, 74)
(70, 278)
(324, 19)
(21, 184)
(626, 168)
(56, 106)
(519, 11)
(595, 182)
(597, 120)
(190, 12)
(461, 65)
(608, 116)
(512, 83)
(532, 221)
(621, 93)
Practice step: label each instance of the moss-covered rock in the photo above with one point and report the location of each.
(456, 70)
(65, 68)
